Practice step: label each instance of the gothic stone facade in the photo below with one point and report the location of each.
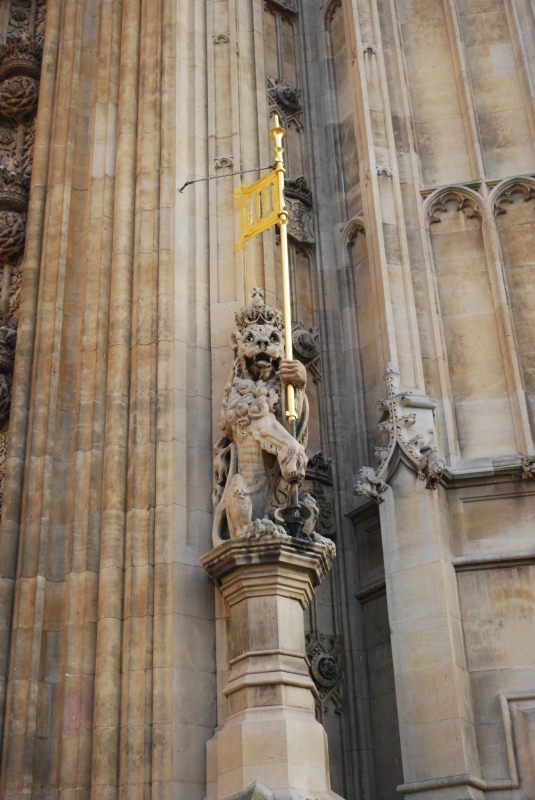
(411, 187)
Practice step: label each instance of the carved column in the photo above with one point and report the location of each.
(271, 743)
(20, 70)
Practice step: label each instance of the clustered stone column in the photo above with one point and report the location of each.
(20, 69)
(271, 745)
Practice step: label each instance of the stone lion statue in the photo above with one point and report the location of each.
(257, 458)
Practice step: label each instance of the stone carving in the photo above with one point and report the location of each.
(27, 18)
(18, 96)
(285, 101)
(15, 277)
(256, 458)
(21, 55)
(323, 653)
(385, 171)
(528, 468)
(298, 189)
(320, 487)
(3, 452)
(223, 161)
(320, 469)
(298, 198)
(8, 338)
(369, 485)
(5, 398)
(15, 172)
(306, 349)
(12, 234)
(419, 451)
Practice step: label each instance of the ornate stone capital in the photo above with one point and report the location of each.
(271, 565)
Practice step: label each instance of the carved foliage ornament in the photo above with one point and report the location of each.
(3, 451)
(419, 453)
(20, 68)
(12, 234)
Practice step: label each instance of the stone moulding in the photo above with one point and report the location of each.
(513, 782)
(222, 162)
(461, 201)
(259, 791)
(505, 192)
(418, 451)
(286, 8)
(329, 9)
(238, 567)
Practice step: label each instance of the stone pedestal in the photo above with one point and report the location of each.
(271, 744)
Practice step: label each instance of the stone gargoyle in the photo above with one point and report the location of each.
(256, 455)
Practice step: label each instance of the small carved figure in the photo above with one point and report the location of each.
(256, 452)
(432, 466)
(528, 468)
(369, 485)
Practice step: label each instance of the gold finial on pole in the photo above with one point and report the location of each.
(278, 133)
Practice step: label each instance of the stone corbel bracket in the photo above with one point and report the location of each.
(410, 436)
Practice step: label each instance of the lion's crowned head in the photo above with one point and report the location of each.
(258, 343)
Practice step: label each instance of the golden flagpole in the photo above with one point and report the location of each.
(277, 133)
(293, 517)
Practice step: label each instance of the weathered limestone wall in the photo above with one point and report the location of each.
(412, 123)
(454, 80)
(108, 478)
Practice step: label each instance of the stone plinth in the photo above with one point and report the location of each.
(271, 735)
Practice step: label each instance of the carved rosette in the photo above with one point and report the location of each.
(418, 451)
(20, 69)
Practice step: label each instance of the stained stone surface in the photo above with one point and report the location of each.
(410, 163)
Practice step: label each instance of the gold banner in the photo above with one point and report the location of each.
(259, 207)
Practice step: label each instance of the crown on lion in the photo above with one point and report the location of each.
(258, 313)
